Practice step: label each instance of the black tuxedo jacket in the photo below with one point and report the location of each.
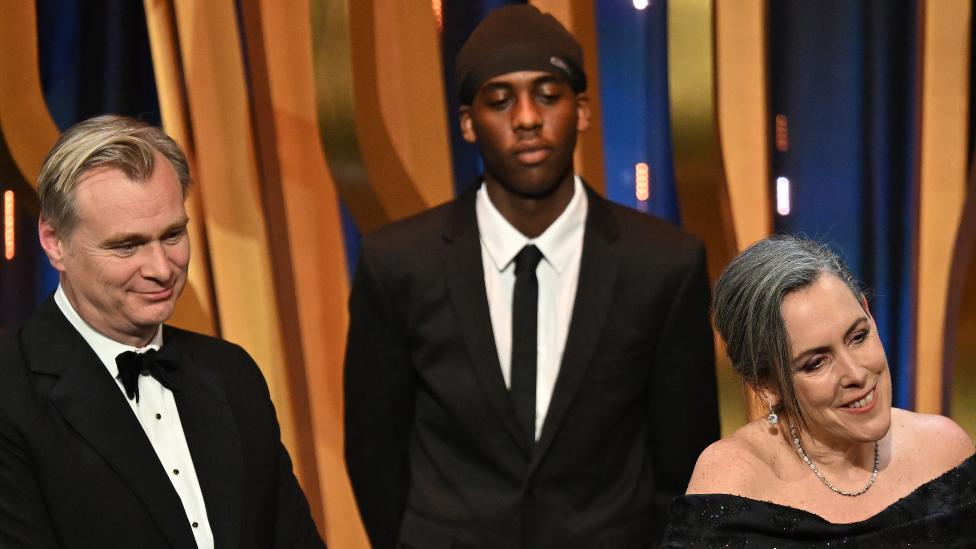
(433, 445)
(77, 470)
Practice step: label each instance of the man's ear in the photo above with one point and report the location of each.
(52, 244)
(582, 111)
(467, 124)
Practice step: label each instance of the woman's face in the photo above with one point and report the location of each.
(840, 372)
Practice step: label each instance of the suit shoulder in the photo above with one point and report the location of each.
(217, 354)
(196, 340)
(13, 369)
(8, 344)
(634, 224)
(407, 233)
(655, 235)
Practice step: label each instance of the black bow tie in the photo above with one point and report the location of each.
(157, 364)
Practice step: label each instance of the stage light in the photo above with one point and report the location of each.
(8, 225)
(642, 181)
(641, 4)
(782, 133)
(782, 196)
(438, 7)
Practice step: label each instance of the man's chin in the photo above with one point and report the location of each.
(154, 314)
(533, 189)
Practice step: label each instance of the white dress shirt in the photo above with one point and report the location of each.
(558, 273)
(157, 413)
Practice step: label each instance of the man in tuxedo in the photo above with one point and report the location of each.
(115, 429)
(529, 365)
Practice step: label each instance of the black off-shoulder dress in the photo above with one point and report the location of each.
(939, 514)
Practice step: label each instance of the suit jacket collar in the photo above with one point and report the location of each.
(105, 347)
(594, 292)
(89, 399)
(465, 280)
(466, 286)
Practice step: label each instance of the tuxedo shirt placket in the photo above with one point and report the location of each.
(159, 417)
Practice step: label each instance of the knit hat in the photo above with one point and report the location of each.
(518, 38)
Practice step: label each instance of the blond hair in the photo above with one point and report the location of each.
(111, 141)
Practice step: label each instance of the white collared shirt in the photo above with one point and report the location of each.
(158, 415)
(558, 274)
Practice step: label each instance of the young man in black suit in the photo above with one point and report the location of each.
(115, 430)
(529, 365)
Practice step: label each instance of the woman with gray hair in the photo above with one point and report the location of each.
(832, 461)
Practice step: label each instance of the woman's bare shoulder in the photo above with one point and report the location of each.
(937, 441)
(734, 464)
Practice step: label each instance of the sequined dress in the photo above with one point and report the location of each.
(941, 513)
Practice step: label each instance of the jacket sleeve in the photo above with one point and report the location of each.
(379, 395)
(295, 528)
(683, 395)
(24, 518)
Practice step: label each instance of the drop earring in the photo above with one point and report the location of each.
(772, 418)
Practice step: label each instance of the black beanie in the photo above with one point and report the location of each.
(517, 38)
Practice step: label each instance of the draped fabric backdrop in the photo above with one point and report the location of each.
(843, 75)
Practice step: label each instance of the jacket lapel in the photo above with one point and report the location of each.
(89, 399)
(466, 287)
(214, 442)
(598, 271)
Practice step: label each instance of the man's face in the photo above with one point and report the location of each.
(525, 124)
(124, 264)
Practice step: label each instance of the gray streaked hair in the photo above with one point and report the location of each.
(747, 308)
(107, 141)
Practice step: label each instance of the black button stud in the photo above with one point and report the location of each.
(195, 525)
(159, 416)
(176, 471)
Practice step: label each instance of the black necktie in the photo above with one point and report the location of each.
(525, 304)
(157, 364)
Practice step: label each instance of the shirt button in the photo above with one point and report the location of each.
(194, 525)
(176, 471)
(159, 416)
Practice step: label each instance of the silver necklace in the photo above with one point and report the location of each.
(813, 467)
